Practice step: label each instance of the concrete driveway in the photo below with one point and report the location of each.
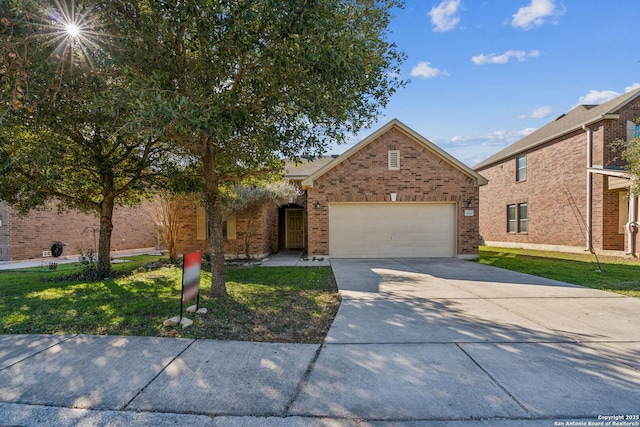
(433, 339)
(437, 342)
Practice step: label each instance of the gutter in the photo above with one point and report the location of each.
(589, 242)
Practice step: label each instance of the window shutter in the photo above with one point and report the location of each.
(201, 224)
(231, 228)
(394, 160)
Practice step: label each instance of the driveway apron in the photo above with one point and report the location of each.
(445, 339)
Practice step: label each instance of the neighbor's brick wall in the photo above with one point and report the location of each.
(134, 228)
(556, 178)
(614, 129)
(611, 238)
(4, 232)
(365, 177)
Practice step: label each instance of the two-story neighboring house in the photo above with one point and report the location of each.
(563, 187)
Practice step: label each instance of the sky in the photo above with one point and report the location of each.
(484, 74)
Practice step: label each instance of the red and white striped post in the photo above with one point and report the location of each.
(191, 278)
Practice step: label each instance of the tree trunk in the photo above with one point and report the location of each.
(213, 208)
(247, 238)
(104, 239)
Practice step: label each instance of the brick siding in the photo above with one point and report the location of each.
(365, 177)
(555, 191)
(4, 232)
(26, 237)
(260, 242)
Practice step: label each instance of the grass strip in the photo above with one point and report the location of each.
(615, 274)
(275, 304)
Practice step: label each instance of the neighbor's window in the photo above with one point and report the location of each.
(394, 160)
(511, 218)
(521, 168)
(523, 218)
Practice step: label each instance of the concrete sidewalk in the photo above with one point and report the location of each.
(415, 342)
(45, 262)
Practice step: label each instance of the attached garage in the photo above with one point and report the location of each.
(383, 230)
(394, 194)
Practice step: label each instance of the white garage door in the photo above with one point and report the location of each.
(401, 230)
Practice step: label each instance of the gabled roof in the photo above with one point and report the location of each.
(396, 124)
(582, 115)
(299, 170)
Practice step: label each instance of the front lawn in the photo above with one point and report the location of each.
(616, 274)
(275, 304)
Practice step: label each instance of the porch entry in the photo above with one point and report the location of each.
(294, 226)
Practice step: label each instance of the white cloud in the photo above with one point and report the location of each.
(538, 113)
(500, 138)
(535, 14)
(632, 87)
(472, 149)
(445, 16)
(425, 70)
(493, 58)
(595, 97)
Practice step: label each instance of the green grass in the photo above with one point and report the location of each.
(616, 274)
(284, 304)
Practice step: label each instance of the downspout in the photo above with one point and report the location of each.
(631, 226)
(589, 185)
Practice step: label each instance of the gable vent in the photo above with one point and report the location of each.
(394, 160)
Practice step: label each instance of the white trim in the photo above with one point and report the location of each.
(394, 160)
(610, 172)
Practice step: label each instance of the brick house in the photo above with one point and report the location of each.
(563, 187)
(394, 194)
(32, 236)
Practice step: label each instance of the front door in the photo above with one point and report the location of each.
(294, 219)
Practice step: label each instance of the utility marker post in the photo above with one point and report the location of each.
(191, 278)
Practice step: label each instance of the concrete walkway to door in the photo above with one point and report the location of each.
(434, 339)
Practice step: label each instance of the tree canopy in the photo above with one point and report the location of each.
(69, 130)
(242, 83)
(631, 155)
(236, 84)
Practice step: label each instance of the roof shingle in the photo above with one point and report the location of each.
(566, 123)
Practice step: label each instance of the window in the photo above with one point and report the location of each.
(521, 168)
(394, 160)
(202, 226)
(511, 218)
(517, 218)
(523, 218)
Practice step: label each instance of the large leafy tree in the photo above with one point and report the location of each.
(242, 83)
(69, 129)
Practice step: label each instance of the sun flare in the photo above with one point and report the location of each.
(72, 29)
(73, 32)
